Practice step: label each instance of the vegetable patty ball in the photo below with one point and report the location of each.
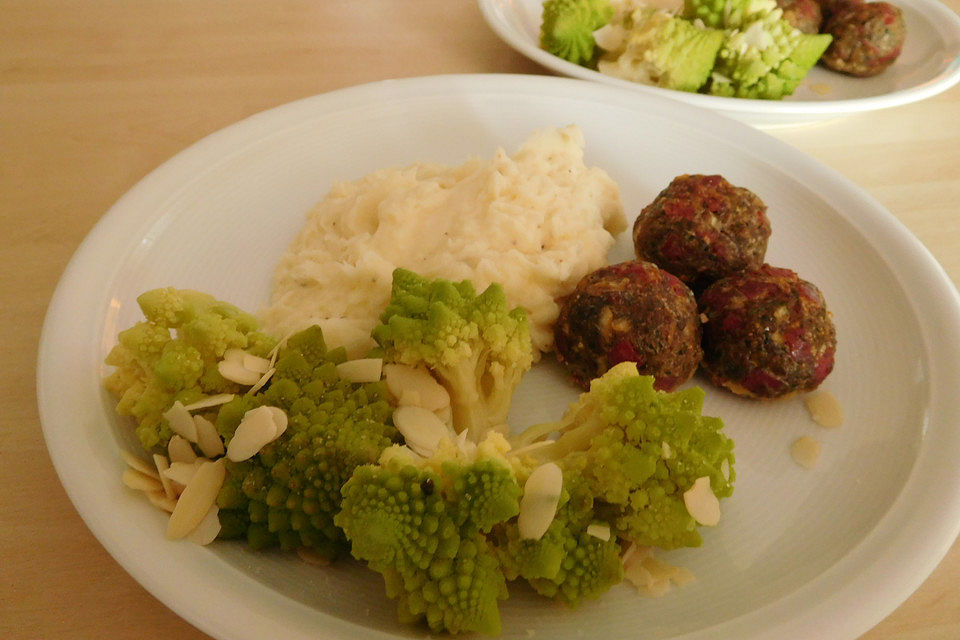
(867, 37)
(767, 333)
(701, 228)
(631, 311)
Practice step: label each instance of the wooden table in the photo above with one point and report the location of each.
(96, 93)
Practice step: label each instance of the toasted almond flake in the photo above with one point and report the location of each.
(280, 420)
(197, 498)
(361, 370)
(210, 401)
(415, 386)
(538, 506)
(181, 421)
(180, 450)
(256, 429)
(310, 556)
(652, 577)
(701, 503)
(666, 451)
(531, 448)
(421, 429)
(824, 409)
(140, 481)
(181, 472)
(725, 468)
(207, 438)
(161, 500)
(141, 465)
(262, 381)
(162, 465)
(208, 529)
(599, 530)
(235, 372)
(256, 363)
(234, 355)
(805, 452)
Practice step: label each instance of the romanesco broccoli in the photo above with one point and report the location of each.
(155, 368)
(475, 346)
(422, 524)
(567, 27)
(639, 450)
(288, 494)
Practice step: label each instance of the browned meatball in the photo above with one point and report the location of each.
(867, 38)
(701, 228)
(766, 333)
(631, 311)
(804, 15)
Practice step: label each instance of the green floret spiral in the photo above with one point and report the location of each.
(567, 27)
(288, 494)
(172, 356)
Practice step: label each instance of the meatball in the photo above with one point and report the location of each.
(867, 38)
(701, 228)
(766, 333)
(804, 15)
(631, 311)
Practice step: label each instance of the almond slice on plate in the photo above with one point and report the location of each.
(361, 370)
(139, 464)
(140, 481)
(181, 421)
(234, 371)
(255, 363)
(421, 429)
(182, 472)
(162, 465)
(208, 529)
(198, 496)
(207, 438)
(210, 401)
(701, 503)
(599, 530)
(256, 429)
(180, 450)
(538, 506)
(415, 386)
(805, 452)
(162, 501)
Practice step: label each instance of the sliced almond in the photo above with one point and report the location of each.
(701, 503)
(279, 419)
(652, 577)
(805, 452)
(182, 472)
(361, 370)
(140, 481)
(446, 415)
(257, 428)
(665, 451)
(421, 429)
(139, 464)
(264, 379)
(599, 530)
(181, 421)
(415, 386)
(824, 409)
(207, 438)
(234, 371)
(538, 506)
(210, 401)
(162, 501)
(162, 465)
(198, 496)
(208, 529)
(255, 363)
(234, 355)
(180, 450)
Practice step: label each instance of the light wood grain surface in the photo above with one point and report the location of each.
(94, 94)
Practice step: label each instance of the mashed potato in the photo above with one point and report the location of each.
(536, 222)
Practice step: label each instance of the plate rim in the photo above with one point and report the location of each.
(886, 228)
(493, 15)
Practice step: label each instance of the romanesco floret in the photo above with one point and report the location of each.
(475, 346)
(173, 355)
(289, 492)
(567, 27)
(567, 563)
(421, 523)
(639, 450)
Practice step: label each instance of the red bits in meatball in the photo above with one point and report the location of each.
(867, 37)
(767, 333)
(701, 228)
(632, 311)
(804, 15)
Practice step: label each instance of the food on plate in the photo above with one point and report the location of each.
(805, 451)
(804, 15)
(767, 333)
(567, 27)
(173, 355)
(629, 312)
(824, 408)
(535, 222)
(867, 37)
(763, 56)
(701, 228)
(655, 47)
(473, 344)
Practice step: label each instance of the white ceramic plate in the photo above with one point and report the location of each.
(799, 554)
(928, 65)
